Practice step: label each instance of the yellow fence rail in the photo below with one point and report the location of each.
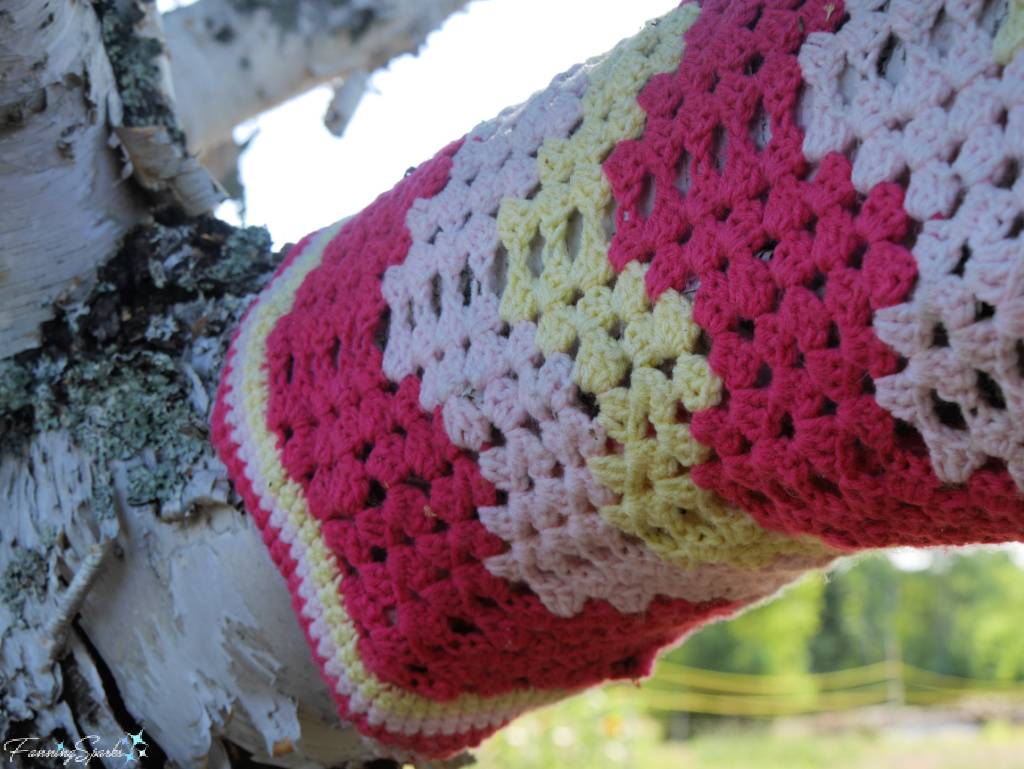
(679, 688)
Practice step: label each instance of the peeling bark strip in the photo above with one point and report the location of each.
(149, 130)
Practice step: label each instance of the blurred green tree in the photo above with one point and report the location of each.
(962, 616)
(772, 639)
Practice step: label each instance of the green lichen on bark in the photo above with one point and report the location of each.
(24, 576)
(130, 372)
(130, 406)
(289, 14)
(133, 59)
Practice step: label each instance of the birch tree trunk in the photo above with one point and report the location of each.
(134, 591)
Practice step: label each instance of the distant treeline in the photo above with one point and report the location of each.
(963, 616)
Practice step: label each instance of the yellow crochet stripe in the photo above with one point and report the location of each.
(560, 276)
(325, 574)
(685, 524)
(1010, 37)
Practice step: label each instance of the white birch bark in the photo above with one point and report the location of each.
(63, 203)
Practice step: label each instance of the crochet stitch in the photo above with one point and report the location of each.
(637, 353)
(788, 273)
(961, 146)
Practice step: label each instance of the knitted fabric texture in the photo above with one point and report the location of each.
(637, 353)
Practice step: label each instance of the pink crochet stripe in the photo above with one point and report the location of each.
(788, 272)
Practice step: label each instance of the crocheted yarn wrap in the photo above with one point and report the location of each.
(637, 353)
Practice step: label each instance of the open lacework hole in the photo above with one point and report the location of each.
(943, 33)
(760, 127)
(786, 430)
(849, 83)
(948, 413)
(1009, 174)
(683, 180)
(466, 285)
(754, 64)
(627, 378)
(381, 334)
(588, 401)
(892, 60)
(834, 339)
(495, 276)
(647, 196)
(993, 16)
(1017, 227)
(376, 495)
(608, 225)
(767, 251)
(535, 259)
(719, 148)
(683, 415)
(532, 426)
(817, 284)
(460, 626)
(574, 235)
(764, 377)
(702, 346)
(990, 391)
(436, 289)
(965, 255)
(752, 24)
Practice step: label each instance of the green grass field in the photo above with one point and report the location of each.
(607, 730)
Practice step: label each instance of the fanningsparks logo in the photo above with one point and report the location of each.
(131, 747)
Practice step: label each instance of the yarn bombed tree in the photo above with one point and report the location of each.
(710, 310)
(738, 298)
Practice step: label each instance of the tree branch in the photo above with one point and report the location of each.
(266, 53)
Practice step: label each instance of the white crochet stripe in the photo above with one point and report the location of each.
(945, 118)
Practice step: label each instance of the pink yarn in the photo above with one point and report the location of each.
(788, 272)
